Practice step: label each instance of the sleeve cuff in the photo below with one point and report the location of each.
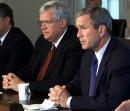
(68, 102)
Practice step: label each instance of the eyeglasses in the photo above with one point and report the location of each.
(46, 23)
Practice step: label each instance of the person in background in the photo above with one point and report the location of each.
(57, 29)
(93, 3)
(103, 80)
(15, 47)
(118, 28)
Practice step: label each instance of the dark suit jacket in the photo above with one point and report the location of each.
(15, 51)
(64, 64)
(113, 79)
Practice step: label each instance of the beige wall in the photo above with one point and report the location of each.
(26, 14)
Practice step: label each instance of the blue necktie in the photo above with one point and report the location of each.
(93, 75)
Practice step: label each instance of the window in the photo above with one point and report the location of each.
(112, 6)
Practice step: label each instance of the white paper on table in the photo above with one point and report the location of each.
(31, 107)
(46, 105)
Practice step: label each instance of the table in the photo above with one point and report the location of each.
(6, 99)
(9, 101)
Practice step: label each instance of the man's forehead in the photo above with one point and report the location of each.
(46, 15)
(83, 18)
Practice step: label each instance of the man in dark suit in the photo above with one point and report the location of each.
(15, 47)
(103, 84)
(55, 23)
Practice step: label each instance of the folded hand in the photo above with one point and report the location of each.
(11, 81)
(59, 94)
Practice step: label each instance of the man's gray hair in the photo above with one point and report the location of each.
(60, 10)
(99, 16)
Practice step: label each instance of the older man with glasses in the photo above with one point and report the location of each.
(50, 65)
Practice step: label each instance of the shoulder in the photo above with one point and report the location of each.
(119, 51)
(17, 31)
(121, 45)
(70, 37)
(18, 35)
(42, 44)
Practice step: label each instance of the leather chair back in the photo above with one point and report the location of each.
(118, 27)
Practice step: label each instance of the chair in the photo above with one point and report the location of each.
(118, 27)
(125, 41)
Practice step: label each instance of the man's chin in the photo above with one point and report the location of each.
(45, 37)
(84, 47)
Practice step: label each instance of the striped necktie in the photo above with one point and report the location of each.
(46, 63)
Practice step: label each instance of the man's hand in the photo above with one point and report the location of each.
(124, 106)
(11, 81)
(59, 94)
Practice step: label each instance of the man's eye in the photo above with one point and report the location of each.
(83, 27)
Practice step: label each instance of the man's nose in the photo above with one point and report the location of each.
(43, 26)
(79, 34)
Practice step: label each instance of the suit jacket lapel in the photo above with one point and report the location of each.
(5, 44)
(61, 46)
(104, 61)
(85, 70)
(53, 62)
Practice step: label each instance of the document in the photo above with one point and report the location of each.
(1, 92)
(46, 105)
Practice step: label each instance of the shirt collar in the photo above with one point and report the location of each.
(58, 41)
(3, 37)
(100, 53)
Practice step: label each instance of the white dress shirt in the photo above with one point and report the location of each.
(99, 56)
(3, 38)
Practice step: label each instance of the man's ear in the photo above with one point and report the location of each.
(63, 22)
(7, 20)
(102, 30)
